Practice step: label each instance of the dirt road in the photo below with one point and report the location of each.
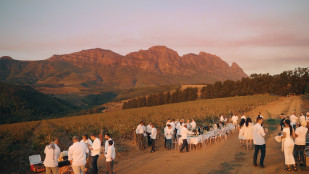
(225, 157)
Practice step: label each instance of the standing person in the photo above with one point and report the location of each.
(140, 135)
(234, 120)
(165, 129)
(288, 146)
(282, 121)
(248, 133)
(110, 157)
(300, 143)
(184, 137)
(149, 128)
(241, 133)
(52, 153)
(302, 117)
(193, 124)
(293, 120)
(189, 125)
(168, 135)
(88, 144)
(77, 156)
(243, 116)
(153, 138)
(107, 137)
(259, 142)
(95, 152)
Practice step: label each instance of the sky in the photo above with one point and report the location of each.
(262, 36)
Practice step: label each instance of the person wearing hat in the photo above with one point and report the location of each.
(300, 142)
(168, 133)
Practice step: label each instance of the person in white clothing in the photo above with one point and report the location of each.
(243, 116)
(259, 141)
(184, 136)
(107, 137)
(241, 133)
(52, 153)
(140, 135)
(248, 136)
(300, 143)
(193, 124)
(153, 138)
(168, 133)
(288, 147)
(148, 129)
(110, 157)
(302, 117)
(77, 156)
(189, 125)
(234, 120)
(88, 143)
(293, 120)
(95, 152)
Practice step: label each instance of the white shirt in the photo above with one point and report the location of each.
(179, 129)
(153, 133)
(258, 134)
(173, 125)
(293, 119)
(222, 118)
(111, 154)
(149, 128)
(145, 130)
(243, 117)
(184, 133)
(87, 142)
(77, 153)
(52, 155)
(168, 123)
(96, 147)
(302, 118)
(301, 138)
(234, 118)
(168, 133)
(193, 124)
(139, 129)
(106, 145)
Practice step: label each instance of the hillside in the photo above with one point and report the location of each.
(98, 68)
(23, 103)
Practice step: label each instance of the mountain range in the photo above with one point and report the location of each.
(97, 67)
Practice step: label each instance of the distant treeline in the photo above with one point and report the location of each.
(188, 94)
(287, 82)
(296, 81)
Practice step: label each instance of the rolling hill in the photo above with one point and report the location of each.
(104, 69)
(23, 103)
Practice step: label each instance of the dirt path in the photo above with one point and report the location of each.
(225, 157)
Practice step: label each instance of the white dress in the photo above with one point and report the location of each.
(241, 132)
(288, 148)
(248, 135)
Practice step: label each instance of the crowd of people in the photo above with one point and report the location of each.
(85, 152)
(292, 127)
(175, 130)
(81, 154)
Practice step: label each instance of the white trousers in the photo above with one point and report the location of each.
(78, 169)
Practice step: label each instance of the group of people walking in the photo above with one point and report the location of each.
(81, 154)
